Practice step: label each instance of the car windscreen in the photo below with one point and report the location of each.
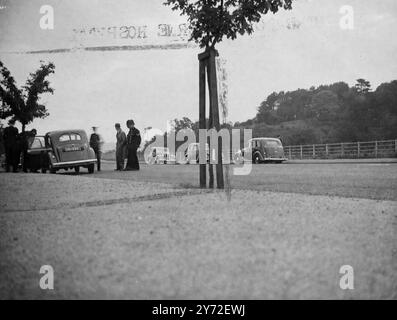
(68, 137)
(75, 136)
(64, 138)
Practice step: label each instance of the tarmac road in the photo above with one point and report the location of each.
(370, 180)
(144, 235)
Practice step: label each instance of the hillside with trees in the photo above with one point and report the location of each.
(328, 113)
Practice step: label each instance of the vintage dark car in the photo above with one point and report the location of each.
(64, 149)
(262, 150)
(69, 149)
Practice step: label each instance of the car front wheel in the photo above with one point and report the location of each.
(91, 168)
(257, 158)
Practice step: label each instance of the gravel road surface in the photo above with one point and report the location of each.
(370, 180)
(144, 235)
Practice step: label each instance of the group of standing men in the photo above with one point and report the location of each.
(16, 143)
(126, 147)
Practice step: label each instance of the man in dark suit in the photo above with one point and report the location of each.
(11, 145)
(133, 143)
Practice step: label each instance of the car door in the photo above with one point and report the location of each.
(37, 146)
(256, 147)
(37, 152)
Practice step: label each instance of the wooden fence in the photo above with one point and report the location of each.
(347, 150)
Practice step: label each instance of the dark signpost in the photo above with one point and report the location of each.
(208, 67)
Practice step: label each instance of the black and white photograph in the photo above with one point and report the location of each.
(219, 151)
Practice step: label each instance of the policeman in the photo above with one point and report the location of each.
(95, 144)
(11, 145)
(133, 143)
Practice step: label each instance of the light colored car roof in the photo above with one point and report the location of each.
(61, 132)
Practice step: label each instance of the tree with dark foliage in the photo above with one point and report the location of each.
(363, 86)
(24, 105)
(212, 20)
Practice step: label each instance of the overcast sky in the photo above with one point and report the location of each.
(296, 49)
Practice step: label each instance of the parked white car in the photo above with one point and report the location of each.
(160, 155)
(192, 154)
